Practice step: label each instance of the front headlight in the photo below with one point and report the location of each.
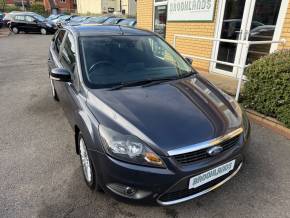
(128, 148)
(48, 25)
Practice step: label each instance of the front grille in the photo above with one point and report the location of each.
(191, 157)
(180, 190)
(171, 196)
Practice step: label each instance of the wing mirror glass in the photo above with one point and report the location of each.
(60, 74)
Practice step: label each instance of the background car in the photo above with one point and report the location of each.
(113, 20)
(1, 19)
(59, 18)
(28, 22)
(63, 20)
(98, 20)
(54, 16)
(77, 20)
(128, 22)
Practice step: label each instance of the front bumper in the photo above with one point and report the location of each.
(52, 29)
(166, 186)
(186, 195)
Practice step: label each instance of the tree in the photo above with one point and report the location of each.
(3, 4)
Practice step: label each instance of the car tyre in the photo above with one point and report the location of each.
(53, 91)
(15, 30)
(43, 31)
(87, 166)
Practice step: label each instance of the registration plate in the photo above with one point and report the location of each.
(210, 175)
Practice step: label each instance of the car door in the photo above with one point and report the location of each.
(19, 22)
(69, 90)
(31, 24)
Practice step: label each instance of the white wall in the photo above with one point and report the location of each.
(89, 6)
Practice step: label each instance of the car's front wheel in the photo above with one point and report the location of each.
(86, 163)
(15, 30)
(43, 31)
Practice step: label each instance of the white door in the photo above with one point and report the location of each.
(253, 20)
(160, 17)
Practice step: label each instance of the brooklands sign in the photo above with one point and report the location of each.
(190, 10)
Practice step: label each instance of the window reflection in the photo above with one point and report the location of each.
(232, 119)
(266, 13)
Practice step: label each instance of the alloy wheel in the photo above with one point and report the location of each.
(15, 30)
(87, 169)
(43, 31)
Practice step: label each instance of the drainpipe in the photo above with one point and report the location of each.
(22, 5)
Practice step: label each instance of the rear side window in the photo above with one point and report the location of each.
(58, 40)
(19, 18)
(67, 58)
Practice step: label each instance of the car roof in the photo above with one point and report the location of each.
(23, 13)
(98, 30)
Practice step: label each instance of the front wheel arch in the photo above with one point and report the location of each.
(77, 132)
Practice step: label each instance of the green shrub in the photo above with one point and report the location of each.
(37, 8)
(9, 8)
(268, 87)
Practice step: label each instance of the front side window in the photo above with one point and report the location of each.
(67, 57)
(113, 60)
(58, 40)
(29, 19)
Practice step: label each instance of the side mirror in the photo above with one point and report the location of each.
(189, 60)
(60, 74)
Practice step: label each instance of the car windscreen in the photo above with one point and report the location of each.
(127, 22)
(108, 61)
(39, 17)
(64, 17)
(100, 19)
(77, 19)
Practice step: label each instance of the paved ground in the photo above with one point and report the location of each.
(40, 174)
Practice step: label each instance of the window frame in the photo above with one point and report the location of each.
(75, 77)
(66, 37)
(61, 44)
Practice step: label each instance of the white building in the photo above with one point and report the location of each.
(128, 7)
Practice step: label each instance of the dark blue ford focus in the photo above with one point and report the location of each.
(148, 127)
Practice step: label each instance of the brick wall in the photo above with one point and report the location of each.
(67, 6)
(145, 14)
(192, 47)
(286, 29)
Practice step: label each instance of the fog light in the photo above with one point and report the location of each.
(127, 191)
(130, 191)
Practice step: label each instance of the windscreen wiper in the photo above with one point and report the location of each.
(155, 82)
(142, 83)
(150, 82)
